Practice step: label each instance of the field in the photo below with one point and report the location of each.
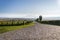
(9, 25)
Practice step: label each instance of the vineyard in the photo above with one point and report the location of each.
(13, 22)
(9, 25)
(53, 22)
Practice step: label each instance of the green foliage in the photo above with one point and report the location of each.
(40, 17)
(10, 28)
(8, 25)
(52, 22)
(13, 22)
(56, 22)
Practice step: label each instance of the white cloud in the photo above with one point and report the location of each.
(51, 13)
(45, 13)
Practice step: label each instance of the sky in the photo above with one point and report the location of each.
(29, 8)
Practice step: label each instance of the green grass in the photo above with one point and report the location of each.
(10, 28)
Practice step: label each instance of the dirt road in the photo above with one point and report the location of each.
(36, 32)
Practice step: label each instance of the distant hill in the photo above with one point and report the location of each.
(17, 19)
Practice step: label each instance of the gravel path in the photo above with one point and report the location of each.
(36, 32)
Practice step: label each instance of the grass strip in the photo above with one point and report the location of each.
(10, 28)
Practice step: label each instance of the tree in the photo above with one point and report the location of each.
(37, 19)
(40, 17)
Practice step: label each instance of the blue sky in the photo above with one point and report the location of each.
(29, 8)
